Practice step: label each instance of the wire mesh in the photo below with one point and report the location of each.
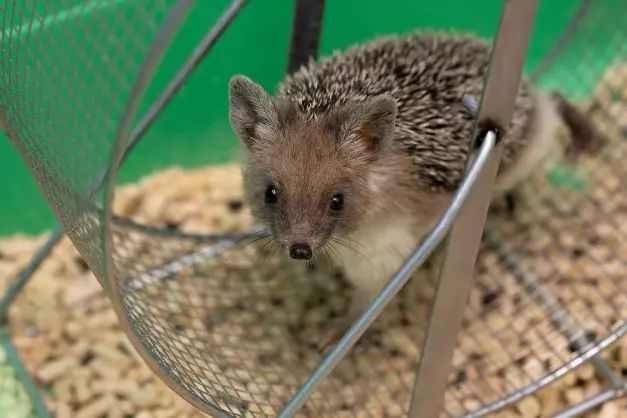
(15, 392)
(239, 339)
(66, 79)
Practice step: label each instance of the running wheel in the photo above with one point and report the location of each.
(549, 292)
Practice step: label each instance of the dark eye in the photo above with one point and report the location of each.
(271, 195)
(337, 202)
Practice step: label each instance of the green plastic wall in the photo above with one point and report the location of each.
(194, 130)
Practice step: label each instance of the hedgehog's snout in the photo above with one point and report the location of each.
(299, 242)
(300, 251)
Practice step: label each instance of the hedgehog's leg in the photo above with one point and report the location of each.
(511, 202)
(365, 294)
(359, 302)
(507, 204)
(585, 138)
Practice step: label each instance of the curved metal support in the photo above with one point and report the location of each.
(156, 52)
(116, 157)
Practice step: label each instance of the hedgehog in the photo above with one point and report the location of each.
(358, 154)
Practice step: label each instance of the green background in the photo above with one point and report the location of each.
(194, 130)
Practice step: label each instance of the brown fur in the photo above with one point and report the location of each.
(308, 162)
(383, 125)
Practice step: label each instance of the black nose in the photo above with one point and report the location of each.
(300, 251)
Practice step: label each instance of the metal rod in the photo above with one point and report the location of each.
(547, 378)
(590, 403)
(169, 269)
(23, 376)
(138, 133)
(22, 278)
(557, 314)
(497, 106)
(197, 56)
(149, 67)
(153, 58)
(306, 32)
(398, 280)
(557, 49)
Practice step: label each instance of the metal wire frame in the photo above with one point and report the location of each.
(353, 335)
(310, 44)
(560, 319)
(164, 99)
(201, 51)
(157, 108)
(304, 45)
(29, 385)
(593, 402)
(558, 315)
(136, 135)
(562, 322)
(305, 41)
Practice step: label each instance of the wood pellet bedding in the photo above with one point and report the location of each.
(245, 325)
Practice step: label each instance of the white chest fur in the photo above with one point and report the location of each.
(380, 250)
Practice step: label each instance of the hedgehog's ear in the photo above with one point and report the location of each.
(252, 113)
(370, 123)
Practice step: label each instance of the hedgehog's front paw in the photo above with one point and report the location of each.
(336, 332)
(338, 327)
(333, 334)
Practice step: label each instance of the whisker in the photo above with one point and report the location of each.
(240, 244)
(336, 253)
(273, 246)
(342, 240)
(261, 244)
(316, 257)
(325, 252)
(251, 240)
(337, 240)
(349, 239)
(263, 249)
(254, 238)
